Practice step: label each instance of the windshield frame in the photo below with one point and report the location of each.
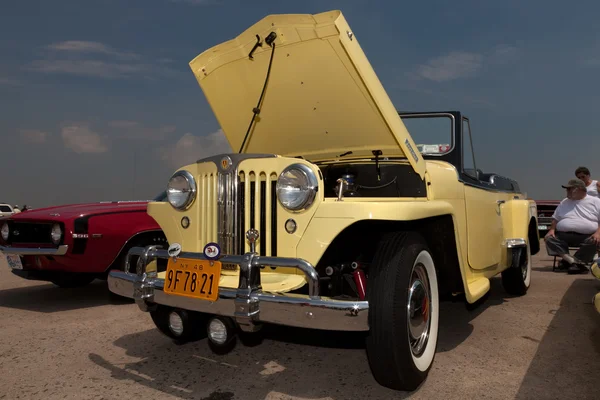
(425, 115)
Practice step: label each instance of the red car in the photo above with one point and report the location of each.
(72, 245)
(545, 210)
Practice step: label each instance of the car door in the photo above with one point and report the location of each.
(483, 210)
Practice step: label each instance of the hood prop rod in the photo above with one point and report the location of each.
(270, 40)
(377, 153)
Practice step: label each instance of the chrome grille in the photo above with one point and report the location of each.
(226, 215)
(244, 198)
(258, 210)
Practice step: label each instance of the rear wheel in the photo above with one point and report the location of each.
(403, 311)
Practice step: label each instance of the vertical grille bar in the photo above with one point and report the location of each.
(267, 239)
(257, 224)
(212, 208)
(273, 211)
(247, 202)
(204, 199)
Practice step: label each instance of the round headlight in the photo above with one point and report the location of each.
(5, 231)
(56, 233)
(181, 190)
(297, 187)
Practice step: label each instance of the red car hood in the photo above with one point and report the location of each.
(64, 212)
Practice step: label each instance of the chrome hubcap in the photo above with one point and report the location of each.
(419, 309)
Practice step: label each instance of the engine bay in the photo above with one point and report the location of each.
(373, 178)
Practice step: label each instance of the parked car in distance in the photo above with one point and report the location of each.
(337, 212)
(545, 210)
(6, 210)
(71, 245)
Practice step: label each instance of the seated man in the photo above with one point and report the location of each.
(575, 223)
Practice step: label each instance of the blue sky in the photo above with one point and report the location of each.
(98, 101)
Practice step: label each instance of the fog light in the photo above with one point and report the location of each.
(175, 323)
(290, 226)
(217, 331)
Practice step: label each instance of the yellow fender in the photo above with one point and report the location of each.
(516, 215)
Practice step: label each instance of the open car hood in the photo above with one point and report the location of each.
(322, 98)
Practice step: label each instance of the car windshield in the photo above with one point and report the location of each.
(432, 134)
(162, 196)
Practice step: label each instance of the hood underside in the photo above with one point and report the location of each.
(322, 98)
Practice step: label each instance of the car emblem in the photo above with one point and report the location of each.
(174, 250)
(16, 233)
(54, 214)
(226, 163)
(212, 251)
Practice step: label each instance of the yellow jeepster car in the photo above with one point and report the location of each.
(335, 212)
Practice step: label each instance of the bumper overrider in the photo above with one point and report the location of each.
(247, 305)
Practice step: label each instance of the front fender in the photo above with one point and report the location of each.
(333, 217)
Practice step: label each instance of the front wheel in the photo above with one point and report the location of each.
(403, 311)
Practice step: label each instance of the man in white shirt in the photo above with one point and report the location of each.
(575, 223)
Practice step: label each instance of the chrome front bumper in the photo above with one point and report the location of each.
(248, 305)
(25, 251)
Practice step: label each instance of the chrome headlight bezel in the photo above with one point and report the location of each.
(191, 190)
(5, 231)
(308, 192)
(56, 234)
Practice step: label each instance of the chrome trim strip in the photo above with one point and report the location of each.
(247, 304)
(24, 251)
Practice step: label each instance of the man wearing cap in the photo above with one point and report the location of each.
(575, 223)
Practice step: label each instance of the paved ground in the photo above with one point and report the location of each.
(75, 344)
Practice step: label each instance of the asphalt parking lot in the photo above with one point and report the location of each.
(76, 344)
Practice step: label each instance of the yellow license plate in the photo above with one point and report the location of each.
(193, 278)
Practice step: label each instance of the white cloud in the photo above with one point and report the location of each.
(452, 66)
(34, 136)
(86, 68)
(123, 124)
(194, 2)
(503, 54)
(81, 139)
(9, 82)
(94, 59)
(190, 148)
(462, 64)
(81, 46)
